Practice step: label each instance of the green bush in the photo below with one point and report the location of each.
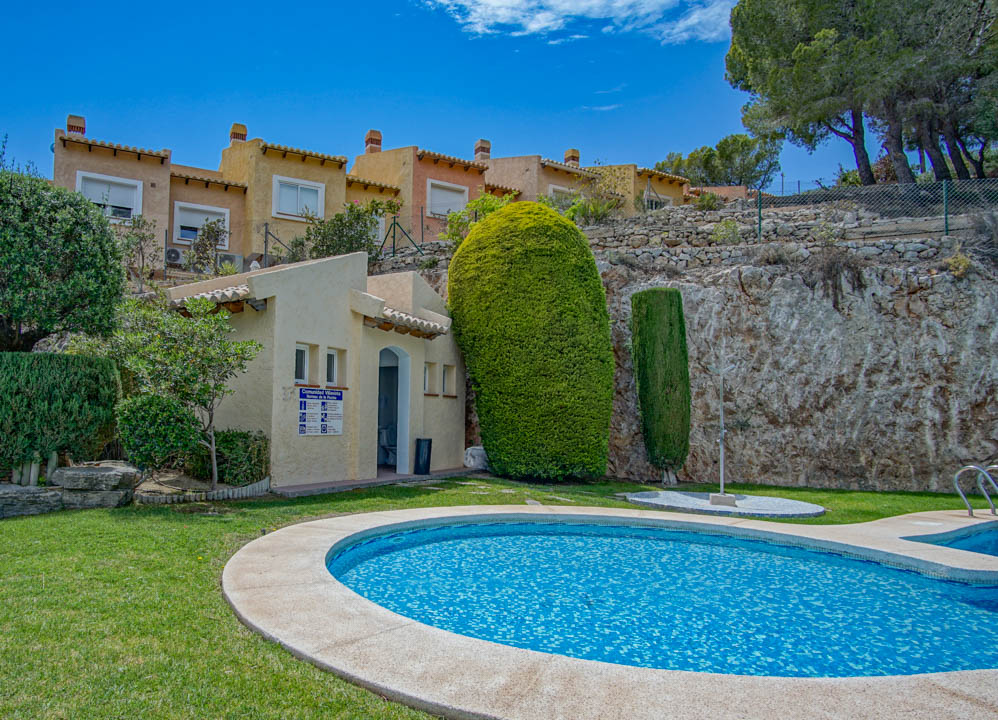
(530, 316)
(243, 458)
(662, 374)
(707, 201)
(157, 431)
(54, 403)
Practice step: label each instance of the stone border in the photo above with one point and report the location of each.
(698, 503)
(278, 585)
(257, 489)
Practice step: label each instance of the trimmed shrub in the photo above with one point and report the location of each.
(157, 431)
(243, 458)
(530, 316)
(54, 403)
(662, 374)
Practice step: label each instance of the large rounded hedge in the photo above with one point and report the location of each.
(662, 374)
(530, 317)
(54, 403)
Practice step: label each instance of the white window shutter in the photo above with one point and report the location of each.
(445, 200)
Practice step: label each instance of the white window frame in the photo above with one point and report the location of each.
(334, 354)
(430, 182)
(178, 205)
(137, 184)
(275, 197)
(426, 378)
(552, 189)
(443, 384)
(298, 380)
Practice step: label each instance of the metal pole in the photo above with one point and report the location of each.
(721, 439)
(266, 242)
(945, 207)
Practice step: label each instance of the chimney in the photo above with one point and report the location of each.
(76, 124)
(237, 132)
(483, 150)
(372, 142)
(572, 157)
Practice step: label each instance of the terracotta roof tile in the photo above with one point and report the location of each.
(664, 175)
(80, 140)
(265, 146)
(222, 295)
(397, 317)
(504, 188)
(204, 179)
(420, 153)
(567, 168)
(353, 179)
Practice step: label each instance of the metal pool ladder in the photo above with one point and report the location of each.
(981, 474)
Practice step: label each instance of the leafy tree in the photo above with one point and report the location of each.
(736, 160)
(202, 257)
(459, 223)
(141, 248)
(530, 316)
(662, 376)
(186, 356)
(353, 230)
(60, 263)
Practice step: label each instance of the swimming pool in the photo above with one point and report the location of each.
(980, 539)
(674, 599)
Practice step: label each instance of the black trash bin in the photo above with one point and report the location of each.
(423, 448)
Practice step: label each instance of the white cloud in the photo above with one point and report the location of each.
(670, 21)
(569, 38)
(602, 108)
(611, 90)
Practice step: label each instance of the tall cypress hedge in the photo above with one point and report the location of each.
(530, 317)
(662, 374)
(54, 403)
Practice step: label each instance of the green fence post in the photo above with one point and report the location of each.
(758, 205)
(945, 207)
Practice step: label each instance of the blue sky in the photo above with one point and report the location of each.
(622, 80)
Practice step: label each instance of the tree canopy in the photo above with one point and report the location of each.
(61, 265)
(736, 160)
(920, 73)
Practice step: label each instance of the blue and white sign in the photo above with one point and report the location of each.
(320, 412)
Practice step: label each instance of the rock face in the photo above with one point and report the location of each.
(885, 380)
(895, 389)
(18, 500)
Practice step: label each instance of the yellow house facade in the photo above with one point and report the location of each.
(354, 369)
(643, 188)
(262, 192)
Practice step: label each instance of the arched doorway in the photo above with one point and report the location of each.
(393, 410)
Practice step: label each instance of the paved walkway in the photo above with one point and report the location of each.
(279, 586)
(747, 505)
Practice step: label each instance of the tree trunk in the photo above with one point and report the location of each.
(214, 458)
(929, 140)
(976, 161)
(859, 149)
(894, 143)
(953, 148)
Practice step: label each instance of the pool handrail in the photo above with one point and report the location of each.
(981, 473)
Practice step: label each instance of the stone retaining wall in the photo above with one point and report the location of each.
(893, 385)
(257, 489)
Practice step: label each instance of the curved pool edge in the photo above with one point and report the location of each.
(278, 586)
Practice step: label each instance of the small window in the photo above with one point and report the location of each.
(297, 198)
(301, 364)
(430, 378)
(188, 219)
(445, 198)
(449, 385)
(118, 198)
(331, 367)
(426, 377)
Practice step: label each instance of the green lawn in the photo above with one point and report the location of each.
(119, 613)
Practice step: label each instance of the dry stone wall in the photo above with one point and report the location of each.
(885, 379)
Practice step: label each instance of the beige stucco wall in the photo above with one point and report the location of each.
(534, 179)
(311, 303)
(245, 162)
(233, 199)
(152, 172)
(392, 167)
(630, 182)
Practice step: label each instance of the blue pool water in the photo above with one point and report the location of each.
(984, 540)
(663, 598)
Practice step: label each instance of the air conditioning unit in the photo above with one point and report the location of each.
(233, 258)
(174, 256)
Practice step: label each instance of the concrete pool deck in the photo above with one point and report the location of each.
(279, 586)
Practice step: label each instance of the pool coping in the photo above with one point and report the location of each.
(278, 586)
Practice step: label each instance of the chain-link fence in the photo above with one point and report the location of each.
(942, 200)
